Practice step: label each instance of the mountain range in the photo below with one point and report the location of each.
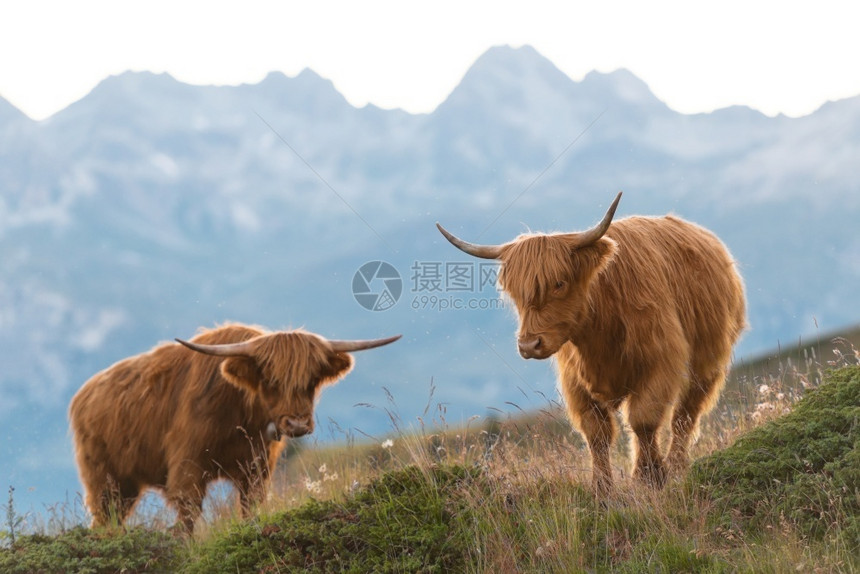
(150, 208)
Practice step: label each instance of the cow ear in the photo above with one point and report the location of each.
(242, 372)
(339, 364)
(606, 249)
(593, 259)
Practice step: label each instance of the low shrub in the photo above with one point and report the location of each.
(86, 551)
(406, 521)
(802, 469)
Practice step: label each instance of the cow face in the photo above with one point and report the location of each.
(548, 277)
(286, 371)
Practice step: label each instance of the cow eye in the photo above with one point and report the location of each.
(559, 285)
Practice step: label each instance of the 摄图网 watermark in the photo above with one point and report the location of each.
(434, 285)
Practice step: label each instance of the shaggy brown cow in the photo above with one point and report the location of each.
(181, 416)
(641, 313)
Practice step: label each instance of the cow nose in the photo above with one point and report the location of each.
(529, 346)
(296, 427)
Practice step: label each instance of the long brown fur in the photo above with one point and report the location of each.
(175, 420)
(643, 320)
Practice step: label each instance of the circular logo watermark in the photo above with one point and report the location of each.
(377, 286)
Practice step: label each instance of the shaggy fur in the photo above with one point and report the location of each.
(642, 320)
(175, 420)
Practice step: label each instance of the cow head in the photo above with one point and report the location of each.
(548, 277)
(287, 370)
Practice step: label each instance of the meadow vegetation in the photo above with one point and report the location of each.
(775, 487)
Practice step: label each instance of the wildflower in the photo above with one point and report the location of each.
(388, 443)
(763, 389)
(322, 469)
(313, 486)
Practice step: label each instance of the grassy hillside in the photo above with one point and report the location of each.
(775, 488)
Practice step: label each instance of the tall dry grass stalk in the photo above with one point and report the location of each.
(534, 510)
(523, 453)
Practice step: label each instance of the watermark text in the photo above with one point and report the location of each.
(434, 286)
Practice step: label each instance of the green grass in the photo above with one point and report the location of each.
(409, 520)
(776, 488)
(803, 468)
(85, 551)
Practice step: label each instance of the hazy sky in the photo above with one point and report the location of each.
(778, 57)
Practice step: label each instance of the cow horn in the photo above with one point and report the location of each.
(243, 349)
(596, 232)
(360, 345)
(482, 251)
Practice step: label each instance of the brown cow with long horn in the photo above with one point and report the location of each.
(185, 414)
(640, 313)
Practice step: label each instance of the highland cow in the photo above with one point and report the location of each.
(188, 413)
(641, 315)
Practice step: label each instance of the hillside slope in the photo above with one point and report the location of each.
(782, 497)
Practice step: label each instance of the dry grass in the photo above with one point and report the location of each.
(533, 510)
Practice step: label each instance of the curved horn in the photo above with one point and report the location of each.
(596, 232)
(243, 349)
(482, 251)
(360, 345)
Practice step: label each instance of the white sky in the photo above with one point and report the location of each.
(776, 56)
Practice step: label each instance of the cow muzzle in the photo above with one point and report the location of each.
(295, 427)
(532, 347)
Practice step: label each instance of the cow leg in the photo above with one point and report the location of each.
(110, 502)
(250, 495)
(185, 492)
(596, 422)
(125, 503)
(102, 495)
(189, 506)
(646, 413)
(699, 398)
(253, 486)
(650, 467)
(97, 496)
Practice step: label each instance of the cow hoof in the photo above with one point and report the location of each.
(654, 475)
(602, 488)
